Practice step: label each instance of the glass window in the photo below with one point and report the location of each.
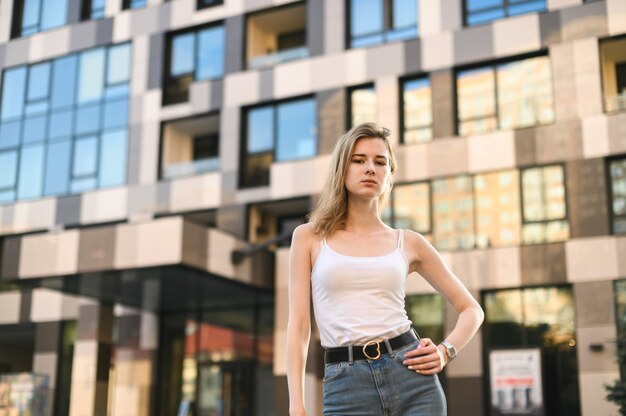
(497, 202)
(133, 4)
(93, 9)
(417, 116)
(57, 143)
(427, 313)
(376, 21)
(201, 4)
(453, 213)
(362, 105)
(39, 15)
(284, 131)
(490, 97)
(620, 313)
(543, 204)
(617, 170)
(194, 55)
(411, 207)
(482, 11)
(8, 169)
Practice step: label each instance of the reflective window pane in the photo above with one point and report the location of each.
(404, 13)
(113, 157)
(528, 103)
(115, 114)
(64, 82)
(61, 124)
(210, 53)
(476, 101)
(411, 207)
(183, 53)
(91, 75)
(30, 181)
(97, 9)
(58, 162)
(483, 11)
(82, 185)
(35, 129)
(426, 311)
(504, 318)
(85, 156)
(30, 16)
(366, 17)
(260, 130)
(10, 134)
(39, 81)
(617, 170)
(13, 92)
(8, 169)
(363, 105)
(453, 213)
(54, 13)
(498, 217)
(296, 130)
(88, 119)
(549, 316)
(118, 64)
(417, 106)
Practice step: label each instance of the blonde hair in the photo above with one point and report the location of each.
(331, 210)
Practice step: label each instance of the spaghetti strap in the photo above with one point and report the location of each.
(401, 238)
(322, 243)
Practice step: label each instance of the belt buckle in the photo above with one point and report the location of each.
(377, 350)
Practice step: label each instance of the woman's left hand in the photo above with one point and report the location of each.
(427, 358)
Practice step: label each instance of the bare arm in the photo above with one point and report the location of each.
(428, 263)
(299, 324)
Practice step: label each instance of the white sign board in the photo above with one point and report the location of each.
(515, 377)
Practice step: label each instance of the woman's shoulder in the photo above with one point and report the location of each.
(305, 232)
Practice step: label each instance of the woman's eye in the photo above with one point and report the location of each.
(357, 161)
(382, 163)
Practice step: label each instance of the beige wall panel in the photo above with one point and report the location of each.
(112, 7)
(413, 162)
(471, 267)
(33, 215)
(562, 4)
(46, 363)
(49, 254)
(246, 196)
(447, 157)
(49, 306)
(149, 244)
(200, 96)
(334, 26)
(355, 67)
(564, 80)
(386, 60)
(469, 362)
(10, 307)
(387, 91)
(282, 268)
(589, 361)
(303, 177)
(581, 257)
(593, 395)
(149, 153)
(292, 79)
(241, 88)
(437, 51)
(328, 72)
(505, 268)
(6, 16)
(50, 44)
(140, 62)
(516, 35)
(588, 78)
(221, 245)
(126, 400)
(85, 362)
(621, 259)
(616, 13)
(430, 17)
(501, 154)
(121, 27)
(104, 205)
(81, 399)
(595, 132)
(196, 192)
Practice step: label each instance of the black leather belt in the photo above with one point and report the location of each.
(372, 350)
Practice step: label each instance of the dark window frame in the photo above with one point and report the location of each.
(402, 81)
(349, 91)
(200, 4)
(243, 146)
(610, 195)
(505, 7)
(387, 6)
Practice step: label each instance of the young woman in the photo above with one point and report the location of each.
(354, 267)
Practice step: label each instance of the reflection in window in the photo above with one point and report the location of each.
(417, 111)
(39, 15)
(133, 4)
(453, 213)
(613, 61)
(426, 311)
(362, 105)
(491, 98)
(190, 146)
(411, 207)
(201, 4)
(92, 9)
(281, 132)
(497, 202)
(482, 11)
(543, 204)
(617, 169)
(377, 21)
(275, 36)
(193, 56)
(620, 313)
(65, 121)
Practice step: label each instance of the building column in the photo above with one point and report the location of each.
(92, 357)
(46, 357)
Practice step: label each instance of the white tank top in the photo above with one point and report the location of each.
(359, 299)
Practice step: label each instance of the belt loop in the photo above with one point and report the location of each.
(350, 355)
(389, 349)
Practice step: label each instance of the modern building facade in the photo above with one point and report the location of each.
(156, 155)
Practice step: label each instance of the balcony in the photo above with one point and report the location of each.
(613, 61)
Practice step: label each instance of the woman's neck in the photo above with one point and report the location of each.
(362, 216)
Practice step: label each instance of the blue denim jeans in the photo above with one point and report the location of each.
(382, 387)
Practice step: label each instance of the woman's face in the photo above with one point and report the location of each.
(368, 168)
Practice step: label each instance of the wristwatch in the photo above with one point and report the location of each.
(450, 350)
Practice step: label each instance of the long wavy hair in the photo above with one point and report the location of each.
(331, 210)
